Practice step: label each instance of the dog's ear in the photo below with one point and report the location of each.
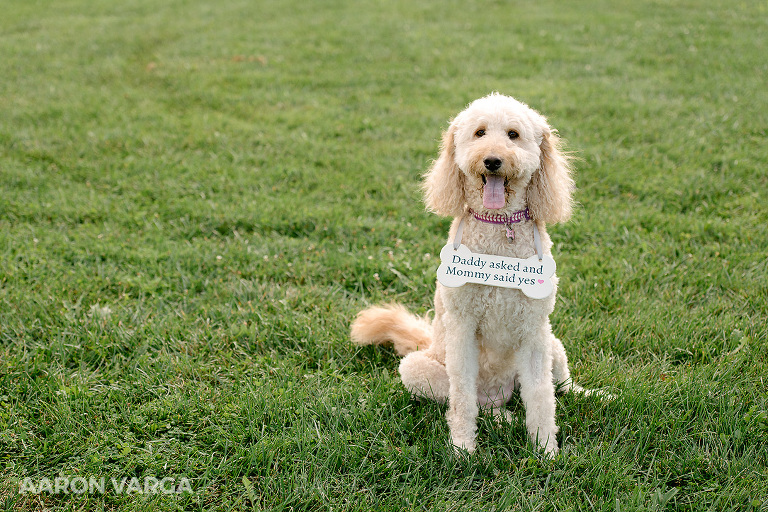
(549, 193)
(444, 182)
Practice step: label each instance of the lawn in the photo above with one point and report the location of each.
(198, 197)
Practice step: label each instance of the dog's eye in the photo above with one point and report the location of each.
(479, 133)
(512, 134)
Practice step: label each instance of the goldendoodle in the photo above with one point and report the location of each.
(502, 175)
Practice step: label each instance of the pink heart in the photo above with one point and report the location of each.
(541, 281)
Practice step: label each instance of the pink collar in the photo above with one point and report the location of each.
(505, 220)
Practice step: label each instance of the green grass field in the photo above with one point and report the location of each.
(197, 199)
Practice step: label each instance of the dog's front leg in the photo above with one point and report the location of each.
(461, 364)
(538, 394)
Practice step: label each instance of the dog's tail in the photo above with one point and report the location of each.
(394, 324)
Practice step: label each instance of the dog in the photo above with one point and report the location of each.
(499, 159)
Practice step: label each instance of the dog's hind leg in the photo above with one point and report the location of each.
(561, 375)
(424, 376)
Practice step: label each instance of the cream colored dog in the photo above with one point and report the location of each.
(498, 158)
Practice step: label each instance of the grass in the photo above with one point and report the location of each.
(198, 198)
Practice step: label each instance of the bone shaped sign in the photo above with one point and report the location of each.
(460, 266)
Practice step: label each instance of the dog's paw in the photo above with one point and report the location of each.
(464, 447)
(550, 449)
(501, 415)
(575, 388)
(545, 440)
(599, 393)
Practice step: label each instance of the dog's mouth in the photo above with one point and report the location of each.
(494, 191)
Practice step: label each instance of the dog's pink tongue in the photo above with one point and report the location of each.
(493, 192)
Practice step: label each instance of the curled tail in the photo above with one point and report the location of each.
(393, 324)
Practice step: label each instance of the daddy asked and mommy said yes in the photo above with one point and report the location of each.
(533, 276)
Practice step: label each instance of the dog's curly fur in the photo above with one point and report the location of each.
(485, 341)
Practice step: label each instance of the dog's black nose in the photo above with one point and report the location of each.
(492, 163)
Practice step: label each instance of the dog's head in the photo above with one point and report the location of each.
(500, 154)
